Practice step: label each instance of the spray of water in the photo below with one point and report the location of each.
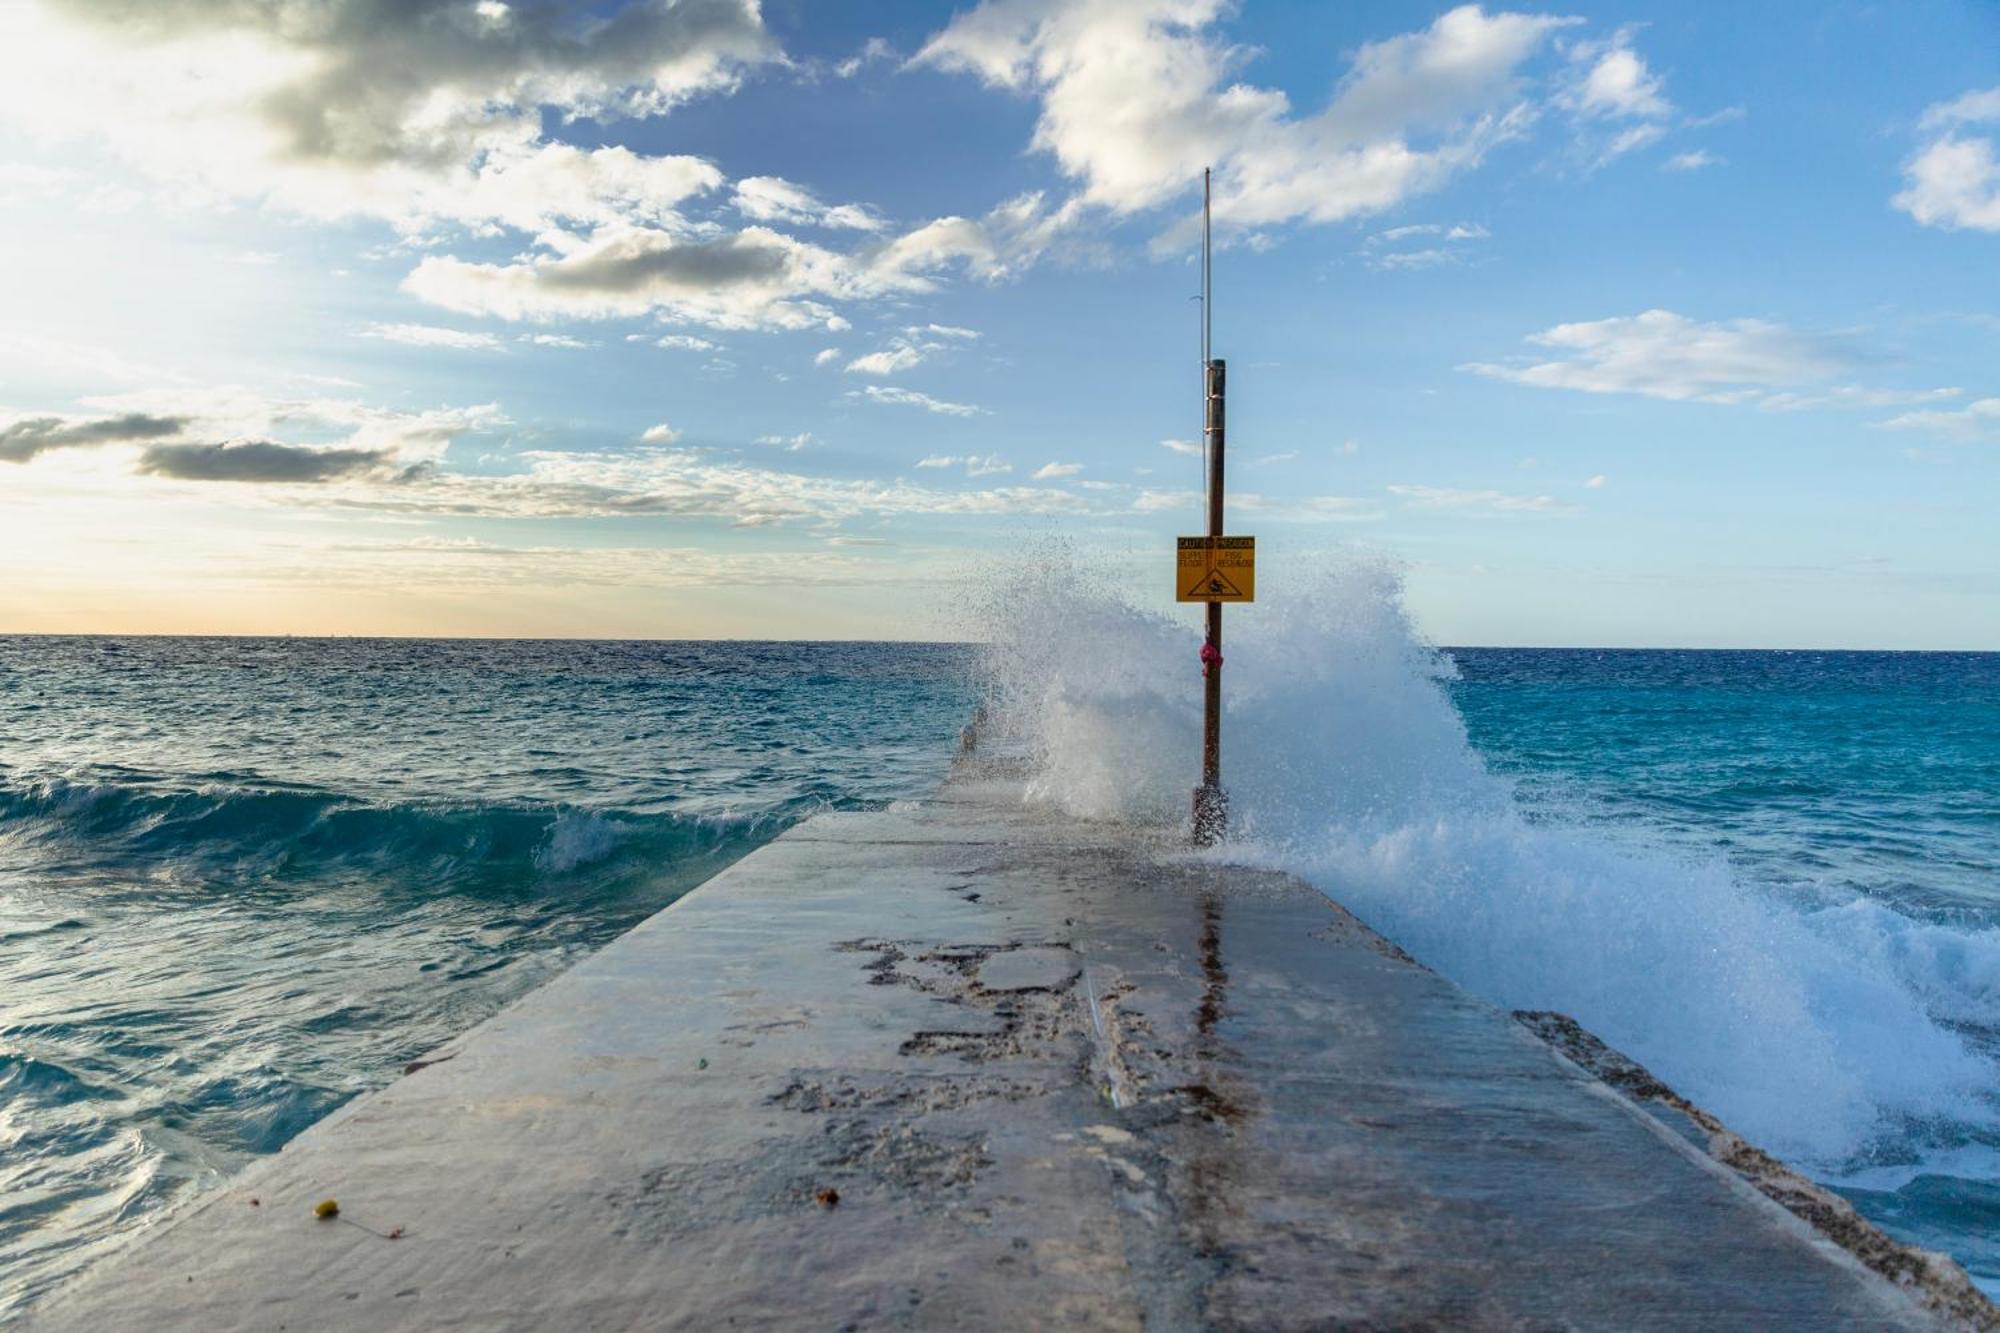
(1814, 1028)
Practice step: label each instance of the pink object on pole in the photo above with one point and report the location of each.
(1211, 656)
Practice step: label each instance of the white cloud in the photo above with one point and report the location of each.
(826, 356)
(1137, 97)
(1413, 259)
(1056, 471)
(890, 361)
(1597, 482)
(1457, 231)
(774, 199)
(1154, 502)
(1189, 447)
(911, 348)
(660, 434)
(872, 50)
(685, 342)
(430, 335)
(889, 393)
(1693, 161)
(790, 443)
(1970, 108)
(1664, 355)
(1953, 182)
(404, 112)
(1616, 101)
(1616, 82)
(1977, 420)
(755, 278)
(1496, 502)
(555, 340)
(975, 465)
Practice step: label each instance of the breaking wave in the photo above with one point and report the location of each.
(1830, 1027)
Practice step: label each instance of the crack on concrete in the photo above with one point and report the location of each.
(1934, 1280)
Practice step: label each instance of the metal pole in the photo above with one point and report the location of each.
(1211, 803)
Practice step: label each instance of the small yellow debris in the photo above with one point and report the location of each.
(327, 1208)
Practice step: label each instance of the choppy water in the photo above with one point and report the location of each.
(244, 880)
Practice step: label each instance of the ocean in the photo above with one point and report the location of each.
(244, 880)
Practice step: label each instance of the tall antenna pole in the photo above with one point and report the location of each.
(1211, 803)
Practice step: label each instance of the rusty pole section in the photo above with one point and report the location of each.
(1211, 803)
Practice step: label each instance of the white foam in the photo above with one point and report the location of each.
(1811, 1028)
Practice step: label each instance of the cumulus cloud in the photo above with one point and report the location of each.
(1953, 182)
(755, 278)
(1137, 97)
(789, 443)
(889, 393)
(826, 356)
(1056, 471)
(263, 461)
(430, 335)
(418, 112)
(660, 434)
(25, 437)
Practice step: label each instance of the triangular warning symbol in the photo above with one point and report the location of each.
(1213, 583)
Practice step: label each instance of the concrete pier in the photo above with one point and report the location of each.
(973, 1066)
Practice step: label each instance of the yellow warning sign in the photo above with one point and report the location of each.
(1216, 569)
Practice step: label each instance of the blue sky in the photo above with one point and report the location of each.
(1612, 323)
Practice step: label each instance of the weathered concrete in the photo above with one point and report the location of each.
(971, 1066)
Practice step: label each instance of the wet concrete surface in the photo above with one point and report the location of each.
(974, 1066)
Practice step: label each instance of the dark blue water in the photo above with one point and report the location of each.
(242, 881)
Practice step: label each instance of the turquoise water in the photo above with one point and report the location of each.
(1862, 788)
(242, 881)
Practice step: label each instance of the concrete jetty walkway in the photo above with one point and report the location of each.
(973, 1066)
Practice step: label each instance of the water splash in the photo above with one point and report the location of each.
(1822, 1028)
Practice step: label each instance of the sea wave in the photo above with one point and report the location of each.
(221, 836)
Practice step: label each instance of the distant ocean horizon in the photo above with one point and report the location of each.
(244, 879)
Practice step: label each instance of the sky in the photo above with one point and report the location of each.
(1611, 324)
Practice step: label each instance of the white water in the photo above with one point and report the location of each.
(1812, 1029)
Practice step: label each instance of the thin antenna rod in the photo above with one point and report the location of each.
(1206, 330)
(1207, 284)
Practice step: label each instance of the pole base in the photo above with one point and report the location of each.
(1211, 815)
